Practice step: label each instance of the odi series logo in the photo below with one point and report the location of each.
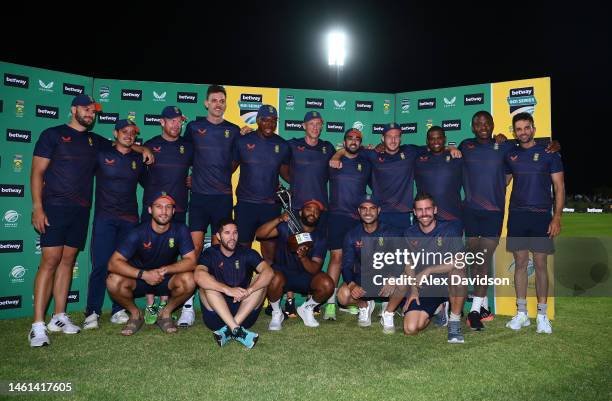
(522, 100)
(248, 105)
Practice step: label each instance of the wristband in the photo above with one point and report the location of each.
(139, 276)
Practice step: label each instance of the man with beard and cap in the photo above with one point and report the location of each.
(230, 302)
(118, 170)
(347, 187)
(352, 292)
(61, 183)
(146, 263)
(299, 270)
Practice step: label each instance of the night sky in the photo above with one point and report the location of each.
(394, 47)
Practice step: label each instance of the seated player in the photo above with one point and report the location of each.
(146, 262)
(298, 271)
(230, 302)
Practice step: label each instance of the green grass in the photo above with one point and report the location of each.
(586, 225)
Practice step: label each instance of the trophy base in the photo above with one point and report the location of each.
(297, 240)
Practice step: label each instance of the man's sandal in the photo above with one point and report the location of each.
(167, 325)
(132, 326)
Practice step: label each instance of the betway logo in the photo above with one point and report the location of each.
(521, 91)
(11, 302)
(131, 94)
(362, 105)
(47, 111)
(152, 119)
(451, 125)
(332, 126)
(7, 246)
(17, 135)
(312, 103)
(73, 296)
(409, 128)
(15, 191)
(18, 81)
(186, 97)
(429, 103)
(108, 118)
(475, 98)
(293, 125)
(72, 89)
(245, 97)
(378, 128)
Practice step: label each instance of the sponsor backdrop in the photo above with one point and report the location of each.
(41, 99)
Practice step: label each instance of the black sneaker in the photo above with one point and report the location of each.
(486, 315)
(473, 321)
(290, 310)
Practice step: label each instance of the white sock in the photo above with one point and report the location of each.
(485, 302)
(310, 302)
(332, 299)
(476, 304)
(38, 324)
(188, 303)
(276, 306)
(454, 318)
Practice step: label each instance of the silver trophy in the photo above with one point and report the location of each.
(298, 237)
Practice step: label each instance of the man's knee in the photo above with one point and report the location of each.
(344, 295)
(184, 282)
(411, 328)
(113, 282)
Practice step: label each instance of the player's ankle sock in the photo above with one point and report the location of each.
(310, 302)
(485, 303)
(521, 305)
(454, 318)
(332, 299)
(276, 306)
(542, 309)
(188, 303)
(476, 304)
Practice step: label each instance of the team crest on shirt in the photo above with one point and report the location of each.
(301, 148)
(133, 165)
(448, 159)
(358, 244)
(171, 242)
(439, 241)
(227, 133)
(146, 245)
(90, 141)
(496, 146)
(237, 265)
(359, 167)
(66, 139)
(536, 157)
(513, 157)
(402, 156)
(156, 149)
(109, 162)
(276, 149)
(201, 132)
(182, 149)
(250, 146)
(381, 241)
(324, 150)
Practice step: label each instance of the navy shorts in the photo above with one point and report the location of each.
(396, 219)
(428, 305)
(214, 322)
(67, 226)
(143, 288)
(208, 210)
(528, 231)
(482, 223)
(296, 281)
(250, 216)
(337, 227)
(179, 217)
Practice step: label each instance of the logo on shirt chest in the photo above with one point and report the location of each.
(227, 133)
(514, 158)
(301, 148)
(402, 156)
(67, 139)
(359, 167)
(90, 141)
(471, 146)
(358, 244)
(109, 162)
(324, 150)
(201, 132)
(381, 242)
(147, 245)
(439, 241)
(220, 265)
(448, 159)
(423, 158)
(171, 242)
(381, 159)
(536, 157)
(250, 146)
(182, 149)
(496, 146)
(276, 149)
(414, 243)
(237, 265)
(133, 165)
(156, 149)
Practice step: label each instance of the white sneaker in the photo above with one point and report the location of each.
(383, 308)
(277, 321)
(544, 325)
(519, 321)
(38, 335)
(91, 322)
(120, 317)
(387, 322)
(307, 315)
(62, 322)
(364, 319)
(187, 317)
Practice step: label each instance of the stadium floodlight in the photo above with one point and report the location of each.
(336, 48)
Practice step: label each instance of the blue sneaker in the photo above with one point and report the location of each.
(441, 318)
(454, 333)
(245, 337)
(223, 335)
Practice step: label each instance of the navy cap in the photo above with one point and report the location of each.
(126, 123)
(172, 112)
(391, 126)
(311, 115)
(162, 194)
(85, 100)
(367, 198)
(353, 131)
(266, 110)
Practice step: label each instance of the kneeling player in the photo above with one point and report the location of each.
(298, 271)
(230, 302)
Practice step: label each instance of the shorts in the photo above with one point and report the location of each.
(337, 227)
(208, 210)
(482, 223)
(528, 231)
(296, 281)
(214, 322)
(396, 219)
(427, 304)
(250, 216)
(68, 225)
(143, 288)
